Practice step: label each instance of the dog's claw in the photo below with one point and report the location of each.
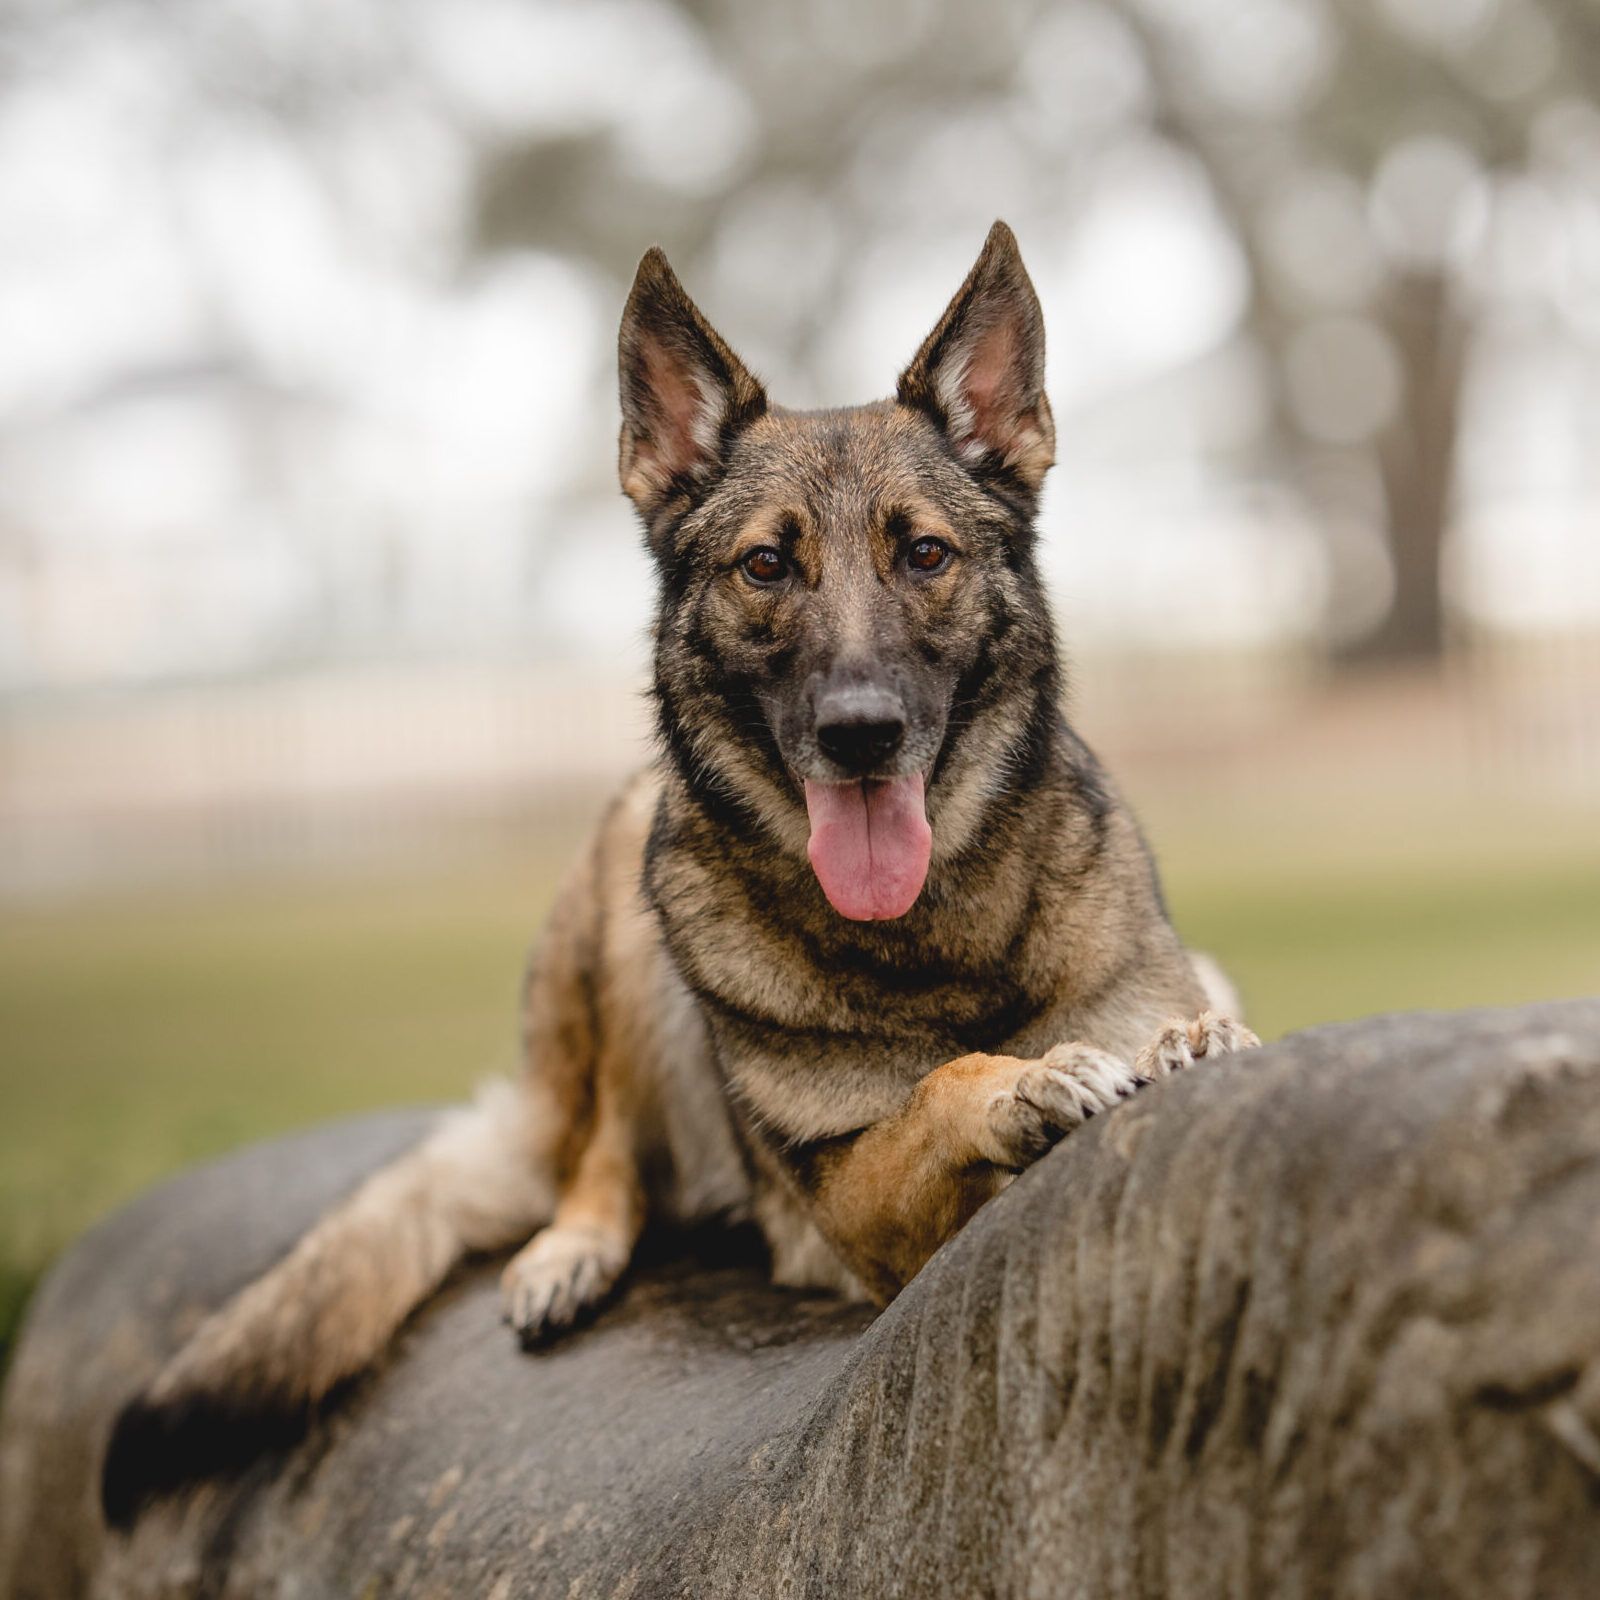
(557, 1279)
(1180, 1044)
(1050, 1097)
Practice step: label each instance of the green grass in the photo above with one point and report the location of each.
(1327, 951)
(143, 1035)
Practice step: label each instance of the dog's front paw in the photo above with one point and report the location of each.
(1050, 1097)
(1181, 1044)
(559, 1276)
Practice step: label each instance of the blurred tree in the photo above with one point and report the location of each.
(1361, 190)
(308, 188)
(1355, 149)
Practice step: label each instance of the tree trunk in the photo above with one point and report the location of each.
(1416, 457)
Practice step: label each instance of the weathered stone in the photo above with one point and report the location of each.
(1319, 1321)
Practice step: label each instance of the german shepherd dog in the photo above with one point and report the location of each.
(872, 933)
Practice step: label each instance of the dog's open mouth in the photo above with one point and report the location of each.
(870, 843)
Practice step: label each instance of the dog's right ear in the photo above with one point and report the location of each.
(685, 394)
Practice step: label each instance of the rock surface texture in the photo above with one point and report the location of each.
(1322, 1320)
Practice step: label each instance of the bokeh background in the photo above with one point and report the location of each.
(322, 623)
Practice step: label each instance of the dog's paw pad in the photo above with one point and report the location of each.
(561, 1275)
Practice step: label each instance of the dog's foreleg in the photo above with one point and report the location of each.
(888, 1197)
(569, 1267)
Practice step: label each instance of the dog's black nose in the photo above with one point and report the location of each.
(860, 726)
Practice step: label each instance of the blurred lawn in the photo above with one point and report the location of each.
(144, 1034)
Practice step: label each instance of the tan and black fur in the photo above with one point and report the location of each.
(704, 1033)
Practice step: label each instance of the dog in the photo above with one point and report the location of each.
(872, 933)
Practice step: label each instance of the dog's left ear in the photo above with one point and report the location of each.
(685, 394)
(980, 373)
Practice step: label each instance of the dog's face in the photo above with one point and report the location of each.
(844, 594)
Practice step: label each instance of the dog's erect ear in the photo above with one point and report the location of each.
(685, 394)
(980, 373)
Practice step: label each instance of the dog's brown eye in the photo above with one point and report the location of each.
(927, 555)
(765, 565)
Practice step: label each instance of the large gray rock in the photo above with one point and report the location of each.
(1322, 1320)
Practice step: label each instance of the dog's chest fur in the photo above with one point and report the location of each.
(820, 1025)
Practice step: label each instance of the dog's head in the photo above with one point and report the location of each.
(851, 642)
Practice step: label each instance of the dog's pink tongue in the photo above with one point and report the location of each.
(869, 845)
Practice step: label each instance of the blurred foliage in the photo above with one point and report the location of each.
(1371, 160)
(1407, 191)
